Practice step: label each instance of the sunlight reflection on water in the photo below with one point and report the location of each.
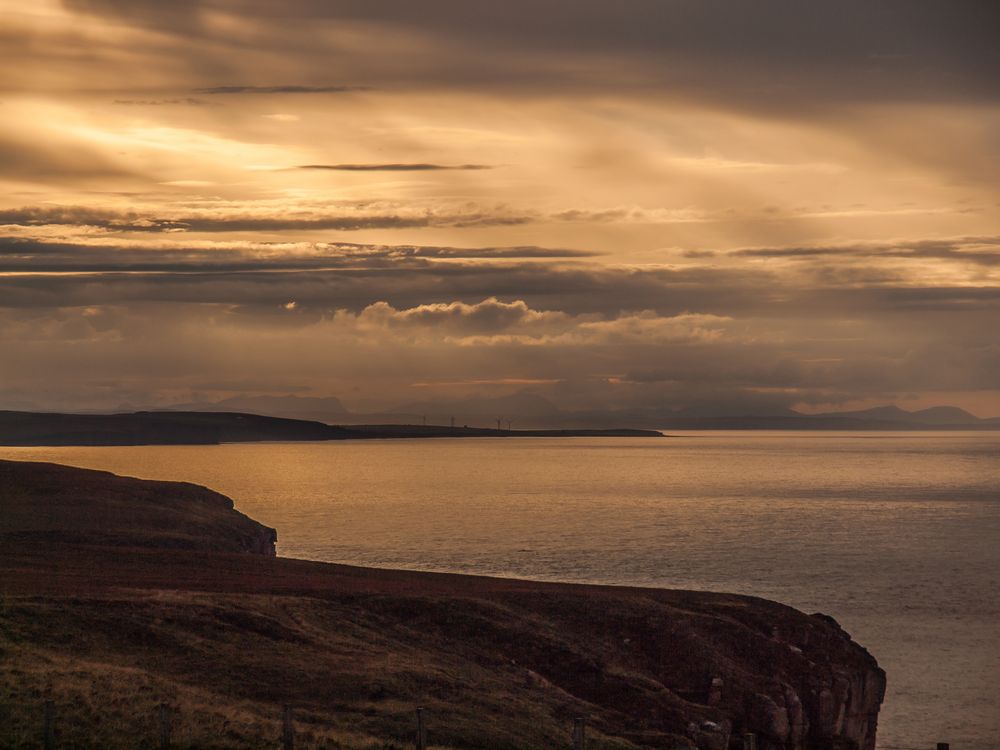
(896, 535)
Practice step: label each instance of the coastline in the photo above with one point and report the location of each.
(496, 662)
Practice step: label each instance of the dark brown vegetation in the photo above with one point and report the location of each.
(47, 503)
(226, 638)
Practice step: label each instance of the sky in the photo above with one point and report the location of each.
(615, 204)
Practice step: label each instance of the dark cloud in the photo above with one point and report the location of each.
(820, 286)
(411, 279)
(412, 167)
(642, 128)
(340, 223)
(344, 219)
(765, 54)
(978, 250)
(497, 252)
(177, 15)
(154, 317)
(26, 255)
(406, 282)
(64, 215)
(145, 343)
(185, 101)
(287, 89)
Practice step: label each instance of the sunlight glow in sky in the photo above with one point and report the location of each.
(613, 205)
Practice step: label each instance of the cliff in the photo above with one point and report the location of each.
(46, 503)
(107, 632)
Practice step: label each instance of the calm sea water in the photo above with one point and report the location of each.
(895, 535)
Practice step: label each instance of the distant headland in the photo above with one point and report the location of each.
(19, 428)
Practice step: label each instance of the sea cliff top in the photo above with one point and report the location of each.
(116, 617)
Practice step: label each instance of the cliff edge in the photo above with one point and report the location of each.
(107, 629)
(45, 502)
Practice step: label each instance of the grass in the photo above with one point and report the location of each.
(225, 664)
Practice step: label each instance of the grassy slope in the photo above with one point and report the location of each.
(47, 503)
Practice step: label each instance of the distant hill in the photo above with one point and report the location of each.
(877, 418)
(46, 503)
(935, 415)
(210, 428)
(723, 417)
(535, 411)
(156, 428)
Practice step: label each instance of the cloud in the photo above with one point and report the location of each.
(696, 198)
(84, 254)
(496, 323)
(979, 250)
(186, 101)
(101, 255)
(330, 277)
(626, 359)
(772, 54)
(287, 89)
(217, 216)
(648, 327)
(247, 218)
(486, 317)
(101, 267)
(413, 167)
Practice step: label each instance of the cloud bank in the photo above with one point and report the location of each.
(768, 204)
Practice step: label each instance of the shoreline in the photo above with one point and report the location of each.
(179, 601)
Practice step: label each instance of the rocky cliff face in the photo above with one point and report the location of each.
(48, 502)
(821, 692)
(701, 670)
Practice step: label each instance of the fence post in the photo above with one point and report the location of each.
(49, 726)
(579, 733)
(164, 726)
(421, 730)
(749, 741)
(287, 728)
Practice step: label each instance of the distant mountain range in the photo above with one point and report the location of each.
(935, 415)
(531, 411)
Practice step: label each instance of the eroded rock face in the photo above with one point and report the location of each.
(824, 694)
(703, 677)
(48, 502)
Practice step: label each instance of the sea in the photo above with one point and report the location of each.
(896, 535)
